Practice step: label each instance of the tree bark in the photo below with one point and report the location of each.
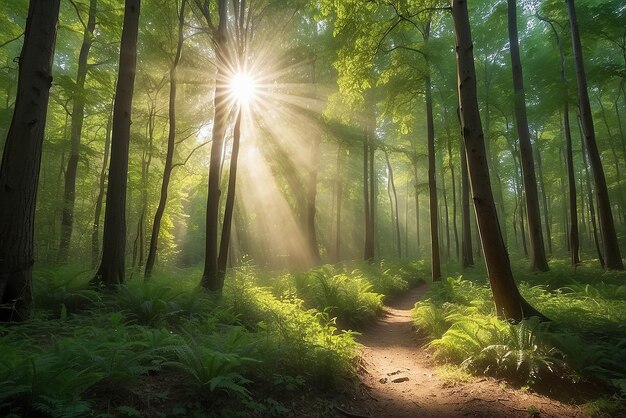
(21, 159)
(466, 228)
(393, 201)
(544, 200)
(538, 259)
(78, 116)
(210, 277)
(112, 265)
(435, 259)
(171, 145)
(612, 256)
(230, 200)
(509, 302)
(454, 210)
(95, 232)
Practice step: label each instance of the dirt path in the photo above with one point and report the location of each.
(401, 378)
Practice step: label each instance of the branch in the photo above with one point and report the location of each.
(190, 154)
(82, 22)
(408, 48)
(2, 45)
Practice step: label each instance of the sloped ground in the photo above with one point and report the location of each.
(400, 378)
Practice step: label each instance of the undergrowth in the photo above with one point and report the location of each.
(165, 347)
(585, 343)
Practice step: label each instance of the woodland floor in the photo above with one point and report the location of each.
(400, 378)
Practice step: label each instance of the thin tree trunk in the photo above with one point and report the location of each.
(417, 208)
(466, 227)
(230, 199)
(612, 254)
(78, 116)
(95, 232)
(537, 251)
(395, 217)
(444, 193)
(373, 195)
(112, 265)
(544, 201)
(509, 302)
(368, 251)
(592, 212)
(454, 225)
(432, 182)
(21, 159)
(210, 277)
(171, 145)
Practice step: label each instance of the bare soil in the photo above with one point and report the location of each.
(400, 378)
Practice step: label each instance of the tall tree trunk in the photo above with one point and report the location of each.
(112, 265)
(211, 277)
(616, 161)
(95, 232)
(171, 145)
(78, 116)
(393, 200)
(435, 260)
(592, 211)
(417, 207)
(454, 226)
(146, 160)
(466, 228)
(368, 251)
(509, 302)
(537, 251)
(373, 193)
(446, 219)
(612, 255)
(544, 200)
(21, 159)
(230, 199)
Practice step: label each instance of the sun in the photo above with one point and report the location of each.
(243, 88)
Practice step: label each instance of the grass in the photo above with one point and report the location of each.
(583, 345)
(163, 347)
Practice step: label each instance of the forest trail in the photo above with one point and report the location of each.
(401, 380)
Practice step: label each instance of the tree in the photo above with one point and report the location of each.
(509, 302)
(612, 255)
(19, 172)
(537, 251)
(112, 267)
(78, 116)
(171, 145)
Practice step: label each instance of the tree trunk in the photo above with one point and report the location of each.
(466, 227)
(417, 208)
(171, 145)
(368, 251)
(444, 193)
(112, 265)
(95, 232)
(210, 277)
(432, 182)
(78, 116)
(612, 254)
(454, 225)
(21, 159)
(393, 201)
(544, 200)
(592, 211)
(230, 200)
(509, 302)
(537, 251)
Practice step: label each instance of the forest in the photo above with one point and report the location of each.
(329, 208)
